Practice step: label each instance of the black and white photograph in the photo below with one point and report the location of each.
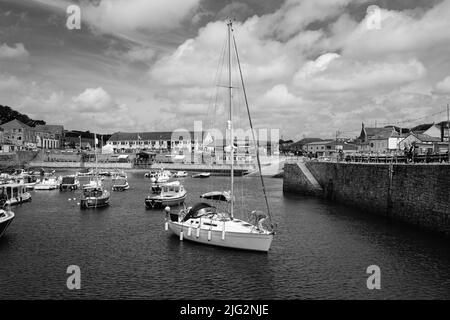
(222, 155)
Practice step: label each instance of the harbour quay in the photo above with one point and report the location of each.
(416, 194)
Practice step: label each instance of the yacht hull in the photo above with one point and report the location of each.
(235, 240)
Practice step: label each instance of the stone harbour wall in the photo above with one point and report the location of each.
(415, 194)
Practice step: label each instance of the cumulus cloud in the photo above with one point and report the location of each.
(337, 70)
(443, 87)
(332, 74)
(94, 100)
(15, 52)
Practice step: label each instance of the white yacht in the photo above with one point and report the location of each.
(47, 183)
(217, 225)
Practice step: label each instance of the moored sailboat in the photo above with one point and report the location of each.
(207, 224)
(94, 195)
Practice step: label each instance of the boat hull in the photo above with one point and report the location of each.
(91, 203)
(25, 197)
(236, 240)
(121, 188)
(156, 202)
(5, 223)
(45, 187)
(65, 187)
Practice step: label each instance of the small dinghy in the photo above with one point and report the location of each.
(202, 175)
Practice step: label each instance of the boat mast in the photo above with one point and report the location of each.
(230, 124)
(256, 141)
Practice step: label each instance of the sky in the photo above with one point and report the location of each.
(311, 67)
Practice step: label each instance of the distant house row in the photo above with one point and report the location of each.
(427, 138)
(177, 143)
(15, 135)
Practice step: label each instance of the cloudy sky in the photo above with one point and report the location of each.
(312, 67)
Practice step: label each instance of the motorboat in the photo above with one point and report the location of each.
(181, 174)
(6, 217)
(217, 224)
(14, 193)
(104, 173)
(69, 182)
(161, 177)
(202, 175)
(85, 173)
(120, 184)
(166, 194)
(47, 183)
(94, 197)
(150, 174)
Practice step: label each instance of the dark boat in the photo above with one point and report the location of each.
(94, 197)
(69, 183)
(6, 217)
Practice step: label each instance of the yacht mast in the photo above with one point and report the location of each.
(230, 123)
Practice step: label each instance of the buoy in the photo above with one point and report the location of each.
(70, 199)
(166, 226)
(74, 199)
(189, 231)
(181, 235)
(209, 235)
(223, 234)
(198, 231)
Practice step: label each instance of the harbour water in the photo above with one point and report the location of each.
(322, 251)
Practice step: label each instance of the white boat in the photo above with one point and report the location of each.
(120, 184)
(161, 177)
(202, 175)
(204, 223)
(181, 174)
(85, 173)
(47, 183)
(167, 194)
(14, 193)
(6, 217)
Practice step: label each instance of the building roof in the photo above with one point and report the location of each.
(383, 135)
(155, 136)
(323, 142)
(425, 138)
(15, 124)
(50, 128)
(134, 136)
